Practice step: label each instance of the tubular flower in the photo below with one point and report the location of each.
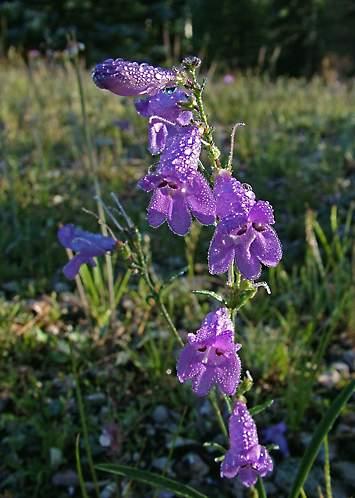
(248, 239)
(164, 104)
(246, 458)
(210, 357)
(128, 78)
(86, 245)
(176, 197)
(231, 195)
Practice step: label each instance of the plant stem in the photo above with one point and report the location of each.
(327, 478)
(214, 402)
(93, 168)
(79, 468)
(260, 489)
(212, 150)
(83, 422)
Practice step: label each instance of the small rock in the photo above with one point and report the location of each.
(341, 367)
(66, 478)
(329, 379)
(349, 359)
(55, 457)
(160, 414)
(96, 398)
(160, 463)
(196, 465)
(345, 471)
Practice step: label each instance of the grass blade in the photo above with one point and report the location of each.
(79, 469)
(322, 430)
(152, 479)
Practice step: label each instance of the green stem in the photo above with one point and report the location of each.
(327, 478)
(212, 150)
(214, 402)
(79, 468)
(83, 422)
(260, 489)
(93, 168)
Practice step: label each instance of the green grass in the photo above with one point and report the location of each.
(297, 151)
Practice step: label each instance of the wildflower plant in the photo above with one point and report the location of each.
(244, 240)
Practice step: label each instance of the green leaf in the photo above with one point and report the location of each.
(260, 408)
(214, 295)
(154, 480)
(322, 430)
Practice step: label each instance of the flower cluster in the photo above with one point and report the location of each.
(244, 238)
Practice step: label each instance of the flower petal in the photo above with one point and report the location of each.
(231, 196)
(248, 476)
(188, 365)
(66, 234)
(157, 135)
(128, 78)
(221, 252)
(158, 208)
(267, 247)
(248, 264)
(149, 182)
(71, 269)
(202, 383)
(179, 217)
(230, 466)
(201, 200)
(228, 376)
(262, 212)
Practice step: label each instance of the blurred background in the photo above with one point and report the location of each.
(286, 69)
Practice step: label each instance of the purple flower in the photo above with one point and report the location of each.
(246, 236)
(231, 196)
(182, 150)
(246, 458)
(276, 434)
(176, 197)
(228, 79)
(86, 245)
(164, 104)
(128, 78)
(210, 357)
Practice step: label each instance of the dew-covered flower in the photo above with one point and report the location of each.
(164, 104)
(246, 458)
(182, 150)
(176, 197)
(210, 356)
(86, 245)
(127, 78)
(245, 237)
(276, 434)
(231, 195)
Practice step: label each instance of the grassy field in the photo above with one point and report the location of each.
(298, 152)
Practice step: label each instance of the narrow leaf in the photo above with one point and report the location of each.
(214, 295)
(152, 479)
(322, 430)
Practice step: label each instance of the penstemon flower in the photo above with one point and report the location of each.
(86, 245)
(165, 105)
(231, 196)
(176, 197)
(246, 458)
(246, 237)
(128, 78)
(210, 357)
